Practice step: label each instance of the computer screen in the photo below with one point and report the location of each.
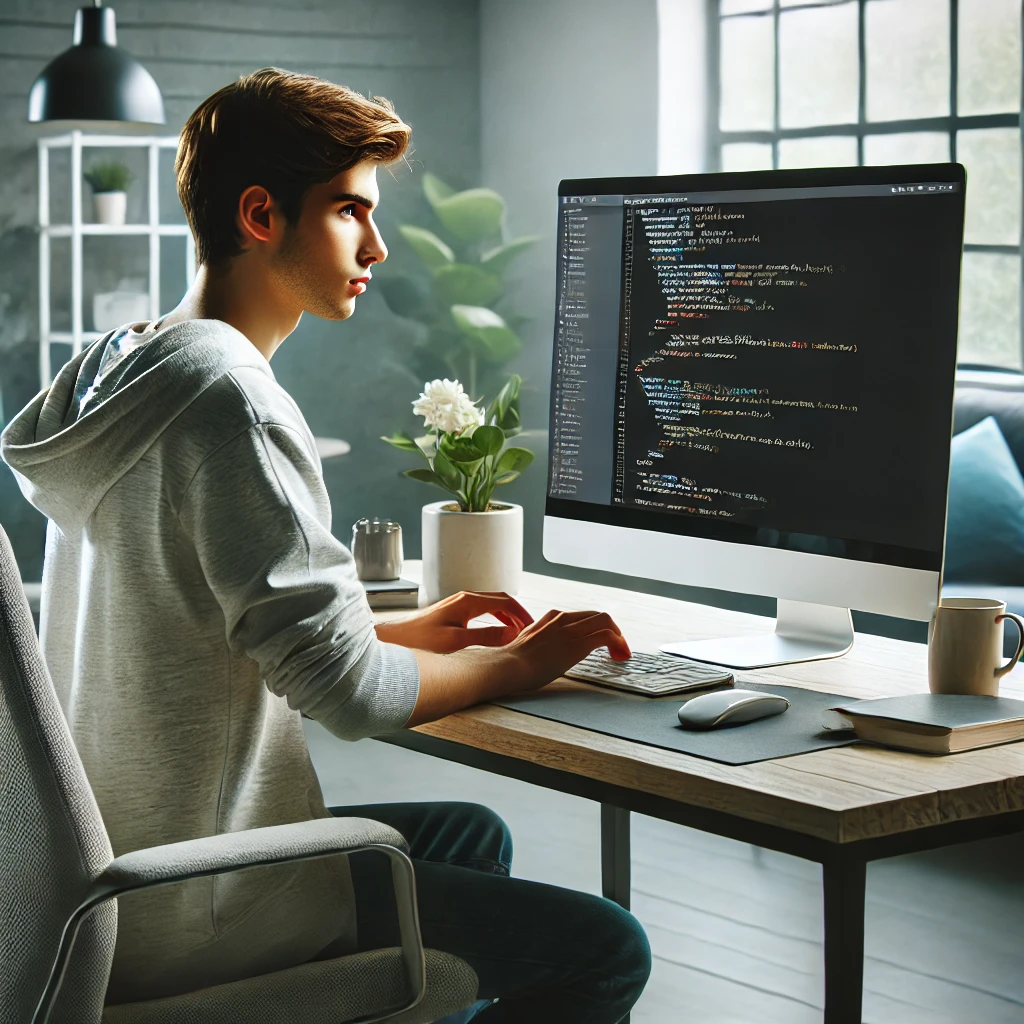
(762, 358)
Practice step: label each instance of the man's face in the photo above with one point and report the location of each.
(325, 259)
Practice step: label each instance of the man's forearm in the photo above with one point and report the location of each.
(451, 682)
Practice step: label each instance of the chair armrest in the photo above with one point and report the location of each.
(231, 851)
(258, 847)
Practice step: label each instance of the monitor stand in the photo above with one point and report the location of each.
(803, 632)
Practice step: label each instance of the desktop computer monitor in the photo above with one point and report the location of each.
(752, 390)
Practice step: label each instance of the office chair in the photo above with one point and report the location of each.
(59, 880)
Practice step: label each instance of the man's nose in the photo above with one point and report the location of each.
(376, 250)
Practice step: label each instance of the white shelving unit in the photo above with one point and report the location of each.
(76, 141)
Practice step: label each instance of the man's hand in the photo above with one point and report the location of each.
(541, 652)
(444, 627)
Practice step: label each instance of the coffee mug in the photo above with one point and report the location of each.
(965, 645)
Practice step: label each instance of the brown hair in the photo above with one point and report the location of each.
(283, 131)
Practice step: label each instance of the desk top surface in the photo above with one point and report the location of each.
(843, 794)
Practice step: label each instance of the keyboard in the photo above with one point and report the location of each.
(656, 675)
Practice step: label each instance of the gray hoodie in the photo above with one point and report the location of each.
(194, 602)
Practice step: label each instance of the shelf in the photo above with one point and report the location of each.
(116, 141)
(65, 230)
(67, 338)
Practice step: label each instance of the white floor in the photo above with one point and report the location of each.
(736, 931)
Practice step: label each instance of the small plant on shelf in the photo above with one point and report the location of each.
(109, 176)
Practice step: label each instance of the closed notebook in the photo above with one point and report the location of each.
(391, 593)
(936, 723)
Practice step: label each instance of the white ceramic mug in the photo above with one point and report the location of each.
(965, 645)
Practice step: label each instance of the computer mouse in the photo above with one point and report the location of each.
(729, 707)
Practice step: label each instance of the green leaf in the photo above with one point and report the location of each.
(473, 216)
(435, 189)
(402, 441)
(488, 439)
(514, 460)
(425, 476)
(505, 401)
(443, 467)
(506, 478)
(498, 260)
(463, 283)
(427, 246)
(403, 296)
(510, 422)
(461, 449)
(493, 339)
(426, 445)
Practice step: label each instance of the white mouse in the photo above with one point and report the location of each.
(729, 707)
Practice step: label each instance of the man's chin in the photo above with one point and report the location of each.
(334, 310)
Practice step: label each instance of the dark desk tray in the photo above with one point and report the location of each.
(653, 721)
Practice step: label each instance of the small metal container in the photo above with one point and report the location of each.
(377, 549)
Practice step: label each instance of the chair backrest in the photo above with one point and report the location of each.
(52, 839)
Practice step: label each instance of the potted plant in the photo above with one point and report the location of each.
(460, 297)
(109, 180)
(473, 542)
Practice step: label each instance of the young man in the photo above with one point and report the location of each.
(195, 600)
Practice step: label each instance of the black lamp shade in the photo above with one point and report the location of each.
(94, 80)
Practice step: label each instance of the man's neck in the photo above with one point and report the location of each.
(241, 297)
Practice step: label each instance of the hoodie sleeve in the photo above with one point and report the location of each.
(259, 517)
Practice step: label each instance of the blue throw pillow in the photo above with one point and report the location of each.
(985, 520)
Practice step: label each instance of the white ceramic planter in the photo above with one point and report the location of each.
(109, 207)
(471, 550)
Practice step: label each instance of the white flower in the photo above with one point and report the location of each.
(445, 406)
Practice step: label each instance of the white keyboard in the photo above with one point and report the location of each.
(656, 675)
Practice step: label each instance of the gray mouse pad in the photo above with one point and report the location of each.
(653, 721)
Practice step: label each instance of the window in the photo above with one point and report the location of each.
(810, 83)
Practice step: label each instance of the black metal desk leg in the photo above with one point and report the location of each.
(843, 879)
(615, 854)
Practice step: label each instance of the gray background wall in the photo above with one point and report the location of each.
(349, 378)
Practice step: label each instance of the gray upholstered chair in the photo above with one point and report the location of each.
(58, 880)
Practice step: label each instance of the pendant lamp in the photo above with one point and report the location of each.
(95, 80)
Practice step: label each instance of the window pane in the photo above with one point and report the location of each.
(818, 66)
(748, 74)
(992, 159)
(990, 310)
(907, 148)
(825, 151)
(746, 156)
(743, 6)
(988, 72)
(907, 45)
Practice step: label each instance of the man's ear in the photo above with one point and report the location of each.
(257, 216)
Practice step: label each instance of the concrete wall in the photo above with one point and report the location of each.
(349, 379)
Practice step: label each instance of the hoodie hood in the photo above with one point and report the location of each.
(65, 465)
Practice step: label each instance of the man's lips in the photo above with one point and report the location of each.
(360, 283)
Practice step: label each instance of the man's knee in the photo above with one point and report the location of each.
(628, 964)
(481, 830)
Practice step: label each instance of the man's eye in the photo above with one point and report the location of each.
(350, 210)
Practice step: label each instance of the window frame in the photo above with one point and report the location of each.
(949, 124)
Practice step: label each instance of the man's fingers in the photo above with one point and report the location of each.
(470, 604)
(610, 638)
(490, 636)
(514, 624)
(591, 623)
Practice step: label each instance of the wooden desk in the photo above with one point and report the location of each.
(840, 807)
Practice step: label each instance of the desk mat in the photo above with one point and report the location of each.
(652, 720)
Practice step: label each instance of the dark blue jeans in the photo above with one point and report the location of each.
(547, 955)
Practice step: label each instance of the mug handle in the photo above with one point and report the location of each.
(1019, 623)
